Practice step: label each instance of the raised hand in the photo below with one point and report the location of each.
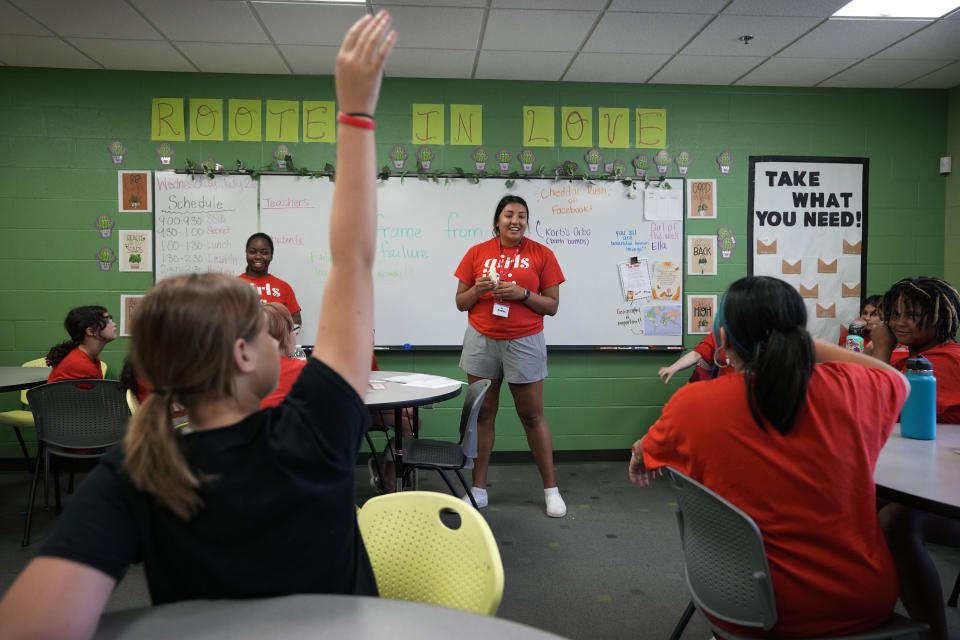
(360, 63)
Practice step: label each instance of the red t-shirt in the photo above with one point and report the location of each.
(76, 366)
(945, 359)
(811, 492)
(530, 265)
(273, 289)
(705, 368)
(290, 369)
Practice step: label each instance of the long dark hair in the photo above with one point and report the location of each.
(765, 322)
(77, 322)
(935, 302)
(504, 201)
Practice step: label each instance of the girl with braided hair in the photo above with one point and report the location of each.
(786, 441)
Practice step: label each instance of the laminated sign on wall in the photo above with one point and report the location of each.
(808, 226)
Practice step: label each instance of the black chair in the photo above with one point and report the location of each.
(952, 601)
(440, 455)
(725, 565)
(78, 419)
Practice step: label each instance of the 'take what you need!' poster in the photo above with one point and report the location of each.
(808, 225)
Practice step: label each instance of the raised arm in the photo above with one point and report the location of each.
(827, 352)
(686, 360)
(345, 333)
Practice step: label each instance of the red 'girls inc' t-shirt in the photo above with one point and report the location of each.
(530, 265)
(273, 289)
(76, 365)
(705, 369)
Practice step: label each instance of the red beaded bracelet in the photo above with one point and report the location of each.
(354, 121)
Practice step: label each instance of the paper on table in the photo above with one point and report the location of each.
(423, 380)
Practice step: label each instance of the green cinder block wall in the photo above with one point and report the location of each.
(57, 177)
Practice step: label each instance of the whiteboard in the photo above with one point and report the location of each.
(424, 229)
(202, 224)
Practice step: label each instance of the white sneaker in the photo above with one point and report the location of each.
(556, 507)
(479, 496)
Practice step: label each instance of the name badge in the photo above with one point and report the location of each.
(500, 309)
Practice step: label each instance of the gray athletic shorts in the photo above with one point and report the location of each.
(521, 360)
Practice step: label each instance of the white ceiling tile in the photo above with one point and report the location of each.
(794, 72)
(769, 35)
(945, 78)
(430, 63)
(704, 69)
(310, 60)
(146, 55)
(851, 38)
(882, 73)
(433, 3)
(307, 24)
(35, 51)
(213, 57)
(644, 33)
(798, 8)
(209, 20)
(527, 30)
(615, 67)
(15, 22)
(939, 41)
(437, 27)
(596, 5)
(90, 18)
(668, 6)
(521, 65)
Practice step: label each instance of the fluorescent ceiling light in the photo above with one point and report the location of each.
(896, 8)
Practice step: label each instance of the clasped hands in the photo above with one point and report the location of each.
(501, 290)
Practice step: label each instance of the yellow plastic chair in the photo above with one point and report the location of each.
(132, 403)
(416, 556)
(22, 418)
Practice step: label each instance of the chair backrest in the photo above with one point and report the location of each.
(79, 414)
(39, 362)
(417, 557)
(723, 555)
(468, 419)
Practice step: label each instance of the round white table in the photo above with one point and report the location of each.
(314, 617)
(17, 378)
(924, 474)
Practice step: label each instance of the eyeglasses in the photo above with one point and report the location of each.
(107, 316)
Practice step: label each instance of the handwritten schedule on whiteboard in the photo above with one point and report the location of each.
(202, 224)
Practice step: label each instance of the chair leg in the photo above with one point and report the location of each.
(56, 483)
(466, 487)
(376, 461)
(31, 498)
(453, 491)
(23, 448)
(682, 622)
(952, 601)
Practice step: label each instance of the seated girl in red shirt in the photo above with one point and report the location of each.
(922, 314)
(90, 329)
(710, 362)
(281, 327)
(868, 315)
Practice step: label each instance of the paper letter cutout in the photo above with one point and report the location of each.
(651, 128)
(538, 127)
(206, 119)
(826, 267)
(318, 121)
(849, 292)
(613, 128)
(853, 247)
(787, 267)
(466, 124)
(576, 126)
(769, 247)
(283, 121)
(244, 121)
(827, 312)
(166, 119)
(427, 124)
(809, 292)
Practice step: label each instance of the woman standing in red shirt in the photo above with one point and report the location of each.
(507, 285)
(90, 329)
(269, 288)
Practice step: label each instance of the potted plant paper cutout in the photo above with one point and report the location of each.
(615, 168)
(210, 164)
(568, 168)
(398, 156)
(105, 226)
(527, 159)
(640, 165)
(116, 150)
(425, 157)
(135, 260)
(662, 160)
(594, 160)
(480, 158)
(280, 155)
(504, 157)
(105, 258)
(165, 152)
(725, 160)
(726, 241)
(683, 161)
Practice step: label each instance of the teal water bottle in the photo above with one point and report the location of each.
(918, 419)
